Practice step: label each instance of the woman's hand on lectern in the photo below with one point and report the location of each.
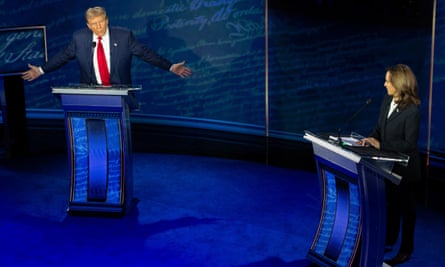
(370, 141)
(31, 74)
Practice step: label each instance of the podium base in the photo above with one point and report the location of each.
(95, 210)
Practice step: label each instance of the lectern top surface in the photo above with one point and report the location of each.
(363, 152)
(95, 89)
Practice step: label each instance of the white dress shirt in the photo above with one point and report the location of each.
(106, 45)
(392, 107)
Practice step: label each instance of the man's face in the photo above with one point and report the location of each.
(98, 25)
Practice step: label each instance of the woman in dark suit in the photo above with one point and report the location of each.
(397, 130)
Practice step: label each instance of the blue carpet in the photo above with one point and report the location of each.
(188, 211)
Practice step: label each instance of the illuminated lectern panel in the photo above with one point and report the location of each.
(99, 146)
(352, 225)
(97, 154)
(339, 230)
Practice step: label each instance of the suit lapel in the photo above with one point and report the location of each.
(395, 114)
(384, 116)
(114, 55)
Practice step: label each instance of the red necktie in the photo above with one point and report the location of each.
(102, 62)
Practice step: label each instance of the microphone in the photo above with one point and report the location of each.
(350, 119)
(93, 45)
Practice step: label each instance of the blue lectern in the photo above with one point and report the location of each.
(352, 224)
(99, 147)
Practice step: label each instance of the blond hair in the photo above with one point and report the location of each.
(96, 11)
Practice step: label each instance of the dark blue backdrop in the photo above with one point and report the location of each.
(324, 58)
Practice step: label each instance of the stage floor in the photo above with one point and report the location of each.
(188, 211)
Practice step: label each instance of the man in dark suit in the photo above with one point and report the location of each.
(397, 130)
(119, 46)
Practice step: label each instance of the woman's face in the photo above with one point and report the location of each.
(391, 90)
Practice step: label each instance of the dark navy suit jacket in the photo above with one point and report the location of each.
(123, 46)
(400, 133)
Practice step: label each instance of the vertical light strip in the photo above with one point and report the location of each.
(266, 94)
(266, 77)
(430, 99)
(44, 44)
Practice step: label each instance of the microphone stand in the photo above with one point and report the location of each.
(339, 141)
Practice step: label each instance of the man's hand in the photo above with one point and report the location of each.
(31, 74)
(181, 70)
